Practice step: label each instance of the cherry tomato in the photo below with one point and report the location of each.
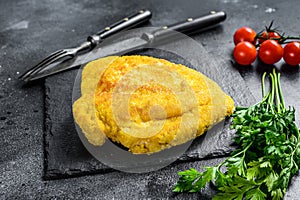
(244, 34)
(291, 54)
(244, 53)
(269, 36)
(270, 52)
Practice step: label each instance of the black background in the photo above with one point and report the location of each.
(29, 30)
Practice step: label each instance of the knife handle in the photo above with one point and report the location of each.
(131, 21)
(191, 25)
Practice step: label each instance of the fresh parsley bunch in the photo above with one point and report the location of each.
(268, 155)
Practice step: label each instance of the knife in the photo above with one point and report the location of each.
(189, 26)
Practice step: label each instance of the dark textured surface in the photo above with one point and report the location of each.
(31, 29)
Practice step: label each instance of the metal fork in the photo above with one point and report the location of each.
(92, 41)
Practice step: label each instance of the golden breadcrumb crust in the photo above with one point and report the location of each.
(147, 104)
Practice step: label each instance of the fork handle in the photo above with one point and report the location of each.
(131, 21)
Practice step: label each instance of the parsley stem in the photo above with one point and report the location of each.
(273, 89)
(266, 99)
(277, 92)
(271, 100)
(243, 151)
(263, 85)
(280, 92)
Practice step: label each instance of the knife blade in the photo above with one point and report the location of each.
(150, 39)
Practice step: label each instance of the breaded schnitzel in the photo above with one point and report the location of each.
(147, 104)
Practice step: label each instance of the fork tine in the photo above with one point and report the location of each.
(58, 57)
(41, 64)
(49, 61)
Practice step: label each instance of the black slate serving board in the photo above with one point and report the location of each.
(65, 156)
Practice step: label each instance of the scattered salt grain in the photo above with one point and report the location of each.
(270, 10)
